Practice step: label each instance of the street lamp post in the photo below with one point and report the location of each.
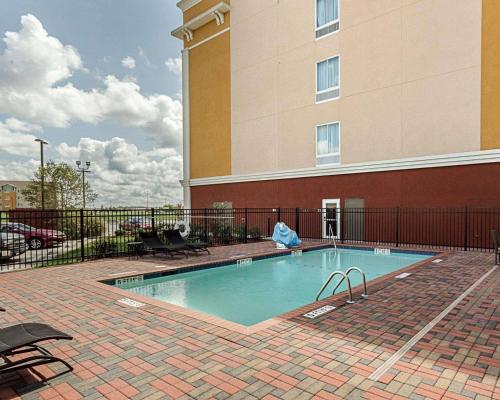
(83, 169)
(42, 172)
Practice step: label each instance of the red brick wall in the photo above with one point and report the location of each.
(472, 185)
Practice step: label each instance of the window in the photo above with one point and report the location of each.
(327, 17)
(327, 79)
(328, 144)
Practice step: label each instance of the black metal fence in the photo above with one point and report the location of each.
(56, 237)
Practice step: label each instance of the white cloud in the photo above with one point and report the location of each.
(121, 173)
(144, 57)
(128, 62)
(18, 170)
(16, 138)
(34, 72)
(174, 65)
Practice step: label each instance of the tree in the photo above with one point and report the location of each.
(63, 187)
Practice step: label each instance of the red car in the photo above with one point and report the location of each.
(134, 223)
(35, 238)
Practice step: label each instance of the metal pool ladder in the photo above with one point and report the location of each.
(345, 276)
(331, 237)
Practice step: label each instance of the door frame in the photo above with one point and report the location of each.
(323, 215)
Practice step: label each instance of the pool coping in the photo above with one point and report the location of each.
(297, 313)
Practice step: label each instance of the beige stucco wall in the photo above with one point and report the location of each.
(410, 78)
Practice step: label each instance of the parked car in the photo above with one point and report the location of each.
(136, 223)
(35, 238)
(11, 245)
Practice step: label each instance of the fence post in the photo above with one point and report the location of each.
(466, 229)
(342, 216)
(398, 215)
(205, 225)
(279, 214)
(297, 221)
(246, 225)
(153, 219)
(82, 241)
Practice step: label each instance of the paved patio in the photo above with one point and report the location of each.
(121, 352)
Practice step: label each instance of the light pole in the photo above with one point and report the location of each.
(42, 172)
(83, 170)
(147, 199)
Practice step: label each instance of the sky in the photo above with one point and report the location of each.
(100, 80)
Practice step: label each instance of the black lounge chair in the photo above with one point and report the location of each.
(496, 244)
(174, 236)
(152, 242)
(21, 338)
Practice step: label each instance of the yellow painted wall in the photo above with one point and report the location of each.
(210, 107)
(199, 8)
(490, 76)
(209, 29)
(8, 201)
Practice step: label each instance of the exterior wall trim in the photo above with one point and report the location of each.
(209, 38)
(446, 160)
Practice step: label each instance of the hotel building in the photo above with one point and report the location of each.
(328, 103)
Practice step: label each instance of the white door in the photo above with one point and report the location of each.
(331, 217)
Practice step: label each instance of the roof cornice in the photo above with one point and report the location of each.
(216, 13)
(187, 4)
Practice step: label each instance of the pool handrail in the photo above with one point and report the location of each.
(365, 291)
(344, 276)
(331, 237)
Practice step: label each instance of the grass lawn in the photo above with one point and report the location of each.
(91, 250)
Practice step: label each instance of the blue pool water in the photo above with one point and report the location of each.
(248, 294)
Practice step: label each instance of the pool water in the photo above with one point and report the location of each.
(248, 294)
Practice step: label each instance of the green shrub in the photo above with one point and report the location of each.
(239, 231)
(197, 231)
(222, 233)
(105, 249)
(254, 232)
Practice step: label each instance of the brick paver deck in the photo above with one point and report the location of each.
(121, 352)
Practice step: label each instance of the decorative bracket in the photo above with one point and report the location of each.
(188, 34)
(219, 17)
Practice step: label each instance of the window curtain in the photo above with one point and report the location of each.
(328, 139)
(326, 11)
(328, 74)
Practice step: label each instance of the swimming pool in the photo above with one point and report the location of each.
(254, 292)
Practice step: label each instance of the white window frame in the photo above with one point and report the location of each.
(317, 28)
(329, 154)
(329, 89)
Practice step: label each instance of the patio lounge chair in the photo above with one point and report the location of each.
(496, 244)
(21, 338)
(174, 236)
(152, 242)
